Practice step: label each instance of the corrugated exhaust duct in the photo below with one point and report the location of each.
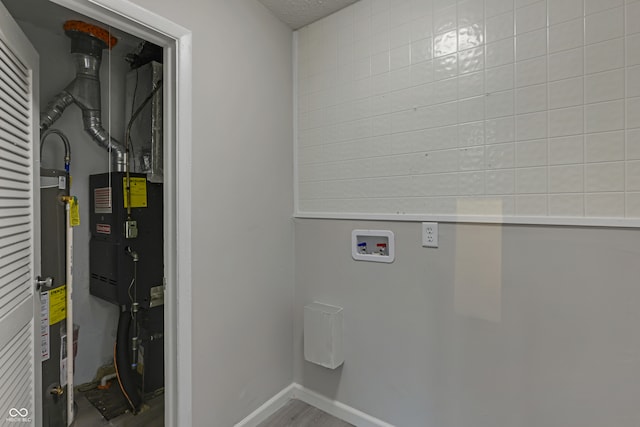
(87, 43)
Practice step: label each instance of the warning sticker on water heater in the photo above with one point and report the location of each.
(44, 326)
(57, 304)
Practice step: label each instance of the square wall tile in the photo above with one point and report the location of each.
(531, 72)
(604, 56)
(531, 153)
(633, 49)
(604, 147)
(633, 18)
(421, 73)
(566, 64)
(500, 130)
(500, 27)
(471, 109)
(594, 6)
(380, 63)
(531, 17)
(445, 67)
(421, 50)
(471, 134)
(499, 78)
(570, 205)
(566, 150)
(605, 25)
(633, 113)
(533, 205)
(496, 7)
(380, 22)
(500, 181)
(604, 116)
(633, 205)
(500, 53)
(566, 121)
(532, 44)
(471, 60)
(566, 93)
(422, 27)
(397, 79)
(445, 91)
(445, 19)
(471, 158)
(605, 205)
(604, 177)
(471, 84)
(567, 35)
(606, 86)
(400, 57)
(531, 99)
(499, 104)
(531, 126)
(500, 156)
(566, 179)
(531, 180)
(470, 12)
(471, 183)
(633, 176)
(470, 36)
(564, 10)
(633, 144)
(445, 43)
(633, 81)
(400, 36)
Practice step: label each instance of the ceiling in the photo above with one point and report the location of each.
(50, 16)
(298, 13)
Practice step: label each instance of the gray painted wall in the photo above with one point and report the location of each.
(97, 319)
(242, 203)
(501, 326)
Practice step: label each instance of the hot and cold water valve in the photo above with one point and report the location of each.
(373, 245)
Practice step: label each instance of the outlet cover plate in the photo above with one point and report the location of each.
(430, 234)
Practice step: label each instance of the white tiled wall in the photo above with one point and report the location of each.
(507, 107)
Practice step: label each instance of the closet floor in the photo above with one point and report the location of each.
(89, 416)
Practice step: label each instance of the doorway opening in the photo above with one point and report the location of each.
(132, 250)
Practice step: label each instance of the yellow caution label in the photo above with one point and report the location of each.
(137, 192)
(57, 304)
(74, 212)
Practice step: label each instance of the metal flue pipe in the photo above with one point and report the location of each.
(87, 44)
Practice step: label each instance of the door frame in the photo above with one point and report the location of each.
(177, 90)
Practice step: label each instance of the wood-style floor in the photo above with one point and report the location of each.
(299, 414)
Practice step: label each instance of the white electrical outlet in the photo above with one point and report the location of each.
(430, 234)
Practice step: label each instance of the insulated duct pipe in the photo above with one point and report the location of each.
(87, 44)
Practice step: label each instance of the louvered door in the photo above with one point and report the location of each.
(19, 250)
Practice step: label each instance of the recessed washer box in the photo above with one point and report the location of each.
(373, 245)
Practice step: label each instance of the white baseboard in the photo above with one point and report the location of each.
(268, 408)
(333, 407)
(337, 409)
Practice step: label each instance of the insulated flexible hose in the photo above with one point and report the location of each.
(122, 364)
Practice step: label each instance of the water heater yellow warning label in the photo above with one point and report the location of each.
(138, 190)
(57, 304)
(74, 212)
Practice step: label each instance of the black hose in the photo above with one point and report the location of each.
(123, 366)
